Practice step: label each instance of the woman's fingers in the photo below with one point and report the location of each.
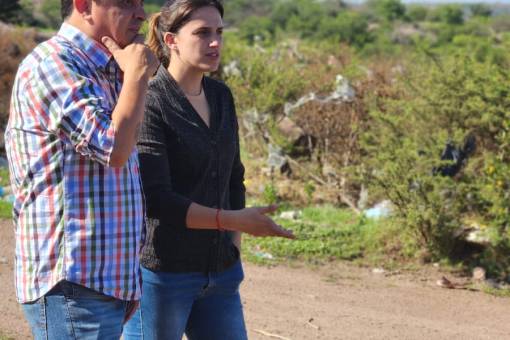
(267, 209)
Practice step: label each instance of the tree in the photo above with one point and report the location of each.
(50, 9)
(347, 27)
(417, 13)
(390, 10)
(9, 10)
(449, 14)
(480, 10)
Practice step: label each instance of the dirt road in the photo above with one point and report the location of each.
(337, 302)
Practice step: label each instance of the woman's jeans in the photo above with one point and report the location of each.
(72, 311)
(204, 306)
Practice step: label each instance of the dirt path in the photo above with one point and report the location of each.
(338, 302)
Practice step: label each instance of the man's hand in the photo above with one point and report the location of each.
(135, 60)
(254, 221)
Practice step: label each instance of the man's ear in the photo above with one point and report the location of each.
(170, 41)
(83, 7)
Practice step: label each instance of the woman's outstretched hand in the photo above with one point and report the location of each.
(254, 221)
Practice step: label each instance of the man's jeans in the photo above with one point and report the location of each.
(71, 311)
(206, 307)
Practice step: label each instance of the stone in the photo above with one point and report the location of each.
(479, 274)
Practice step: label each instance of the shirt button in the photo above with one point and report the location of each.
(213, 174)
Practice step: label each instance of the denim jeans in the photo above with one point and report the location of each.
(204, 306)
(71, 311)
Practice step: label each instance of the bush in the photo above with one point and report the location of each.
(440, 105)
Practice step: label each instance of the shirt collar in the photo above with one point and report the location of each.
(99, 54)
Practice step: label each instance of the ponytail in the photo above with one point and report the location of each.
(155, 40)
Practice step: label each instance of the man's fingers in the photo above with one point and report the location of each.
(110, 44)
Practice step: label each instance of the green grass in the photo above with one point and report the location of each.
(5, 337)
(5, 207)
(326, 233)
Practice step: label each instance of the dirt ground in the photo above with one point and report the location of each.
(339, 301)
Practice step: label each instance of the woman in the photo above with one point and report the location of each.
(193, 181)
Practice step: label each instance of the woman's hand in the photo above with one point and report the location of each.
(253, 221)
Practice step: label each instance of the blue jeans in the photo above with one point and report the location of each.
(71, 311)
(204, 306)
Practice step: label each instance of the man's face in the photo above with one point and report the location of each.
(119, 19)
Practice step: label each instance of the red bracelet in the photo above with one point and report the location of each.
(218, 220)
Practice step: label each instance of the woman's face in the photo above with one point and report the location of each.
(198, 43)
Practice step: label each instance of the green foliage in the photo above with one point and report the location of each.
(480, 10)
(5, 207)
(437, 105)
(326, 233)
(256, 29)
(448, 14)
(266, 81)
(10, 10)
(270, 194)
(417, 13)
(347, 27)
(390, 10)
(50, 10)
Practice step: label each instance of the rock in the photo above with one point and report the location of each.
(290, 129)
(479, 274)
(3, 260)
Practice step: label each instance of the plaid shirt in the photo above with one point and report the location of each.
(76, 218)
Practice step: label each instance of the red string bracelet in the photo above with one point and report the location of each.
(218, 220)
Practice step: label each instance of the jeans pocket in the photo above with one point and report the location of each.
(75, 291)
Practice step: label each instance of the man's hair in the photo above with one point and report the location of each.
(66, 8)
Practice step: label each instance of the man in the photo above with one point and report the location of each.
(78, 211)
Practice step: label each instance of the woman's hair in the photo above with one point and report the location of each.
(173, 15)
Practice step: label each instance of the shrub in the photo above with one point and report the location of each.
(437, 106)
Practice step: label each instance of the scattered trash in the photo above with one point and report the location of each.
(263, 255)
(493, 284)
(309, 323)
(381, 209)
(271, 335)
(457, 155)
(343, 92)
(378, 271)
(232, 69)
(291, 215)
(445, 283)
(8, 198)
(276, 159)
